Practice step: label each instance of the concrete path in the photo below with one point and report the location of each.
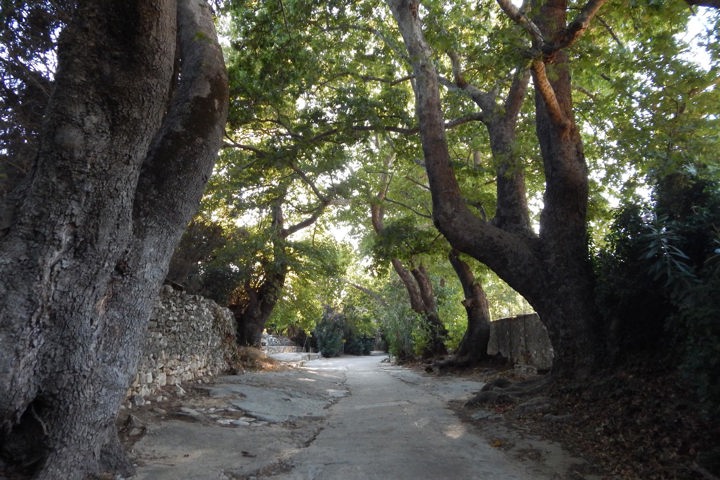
(353, 418)
(396, 426)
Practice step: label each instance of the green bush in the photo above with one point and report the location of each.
(398, 326)
(329, 333)
(657, 281)
(359, 344)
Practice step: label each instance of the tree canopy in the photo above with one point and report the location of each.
(564, 151)
(324, 94)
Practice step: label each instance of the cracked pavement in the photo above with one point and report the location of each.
(342, 418)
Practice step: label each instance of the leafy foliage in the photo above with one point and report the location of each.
(329, 333)
(28, 41)
(658, 279)
(401, 329)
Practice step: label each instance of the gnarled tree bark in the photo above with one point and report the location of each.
(129, 140)
(552, 270)
(474, 344)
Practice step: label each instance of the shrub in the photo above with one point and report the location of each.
(657, 281)
(399, 323)
(329, 333)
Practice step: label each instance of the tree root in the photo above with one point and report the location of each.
(503, 391)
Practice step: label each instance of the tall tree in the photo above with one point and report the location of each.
(253, 301)
(128, 141)
(552, 269)
(285, 161)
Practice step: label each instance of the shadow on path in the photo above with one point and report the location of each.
(343, 418)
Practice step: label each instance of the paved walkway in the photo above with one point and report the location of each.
(395, 425)
(353, 418)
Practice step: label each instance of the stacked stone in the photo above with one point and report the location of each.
(523, 340)
(188, 339)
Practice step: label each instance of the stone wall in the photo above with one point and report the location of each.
(189, 337)
(523, 340)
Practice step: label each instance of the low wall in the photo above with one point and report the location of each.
(189, 337)
(523, 340)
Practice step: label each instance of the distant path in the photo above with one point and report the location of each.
(349, 418)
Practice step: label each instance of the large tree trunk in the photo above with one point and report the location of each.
(258, 303)
(552, 272)
(567, 303)
(474, 344)
(127, 146)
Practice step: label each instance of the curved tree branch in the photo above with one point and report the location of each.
(408, 207)
(577, 27)
(521, 19)
(303, 176)
(543, 86)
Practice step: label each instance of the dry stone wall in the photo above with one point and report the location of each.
(189, 338)
(523, 340)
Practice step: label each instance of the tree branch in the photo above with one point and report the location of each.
(543, 86)
(230, 143)
(309, 183)
(408, 207)
(484, 100)
(611, 32)
(521, 19)
(704, 3)
(419, 184)
(470, 117)
(286, 232)
(374, 295)
(516, 95)
(577, 27)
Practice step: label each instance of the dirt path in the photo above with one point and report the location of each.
(347, 418)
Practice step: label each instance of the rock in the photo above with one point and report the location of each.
(522, 369)
(489, 397)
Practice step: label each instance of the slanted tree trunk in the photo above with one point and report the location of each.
(438, 332)
(474, 344)
(258, 302)
(416, 281)
(127, 146)
(255, 302)
(551, 271)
